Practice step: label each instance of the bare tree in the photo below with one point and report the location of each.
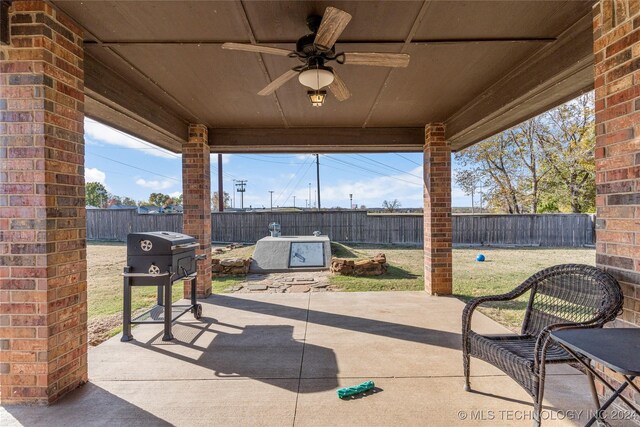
(468, 180)
(391, 206)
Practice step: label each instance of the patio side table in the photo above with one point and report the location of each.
(616, 348)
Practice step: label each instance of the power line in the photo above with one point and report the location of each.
(263, 160)
(291, 180)
(149, 147)
(298, 182)
(369, 170)
(408, 159)
(134, 167)
(372, 161)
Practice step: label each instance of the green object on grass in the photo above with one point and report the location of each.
(360, 388)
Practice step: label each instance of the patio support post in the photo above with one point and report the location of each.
(617, 152)
(437, 211)
(617, 104)
(196, 202)
(43, 269)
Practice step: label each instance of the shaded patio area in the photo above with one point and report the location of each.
(277, 359)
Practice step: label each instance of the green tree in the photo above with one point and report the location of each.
(96, 194)
(126, 201)
(545, 164)
(214, 200)
(158, 199)
(568, 142)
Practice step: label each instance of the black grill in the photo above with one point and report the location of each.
(161, 252)
(159, 259)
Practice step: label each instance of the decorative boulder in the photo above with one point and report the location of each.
(375, 266)
(230, 266)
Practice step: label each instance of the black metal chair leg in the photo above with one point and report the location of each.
(168, 336)
(126, 308)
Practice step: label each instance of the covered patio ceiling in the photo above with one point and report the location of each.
(479, 66)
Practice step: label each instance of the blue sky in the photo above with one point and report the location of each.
(131, 167)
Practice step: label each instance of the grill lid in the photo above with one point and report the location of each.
(158, 243)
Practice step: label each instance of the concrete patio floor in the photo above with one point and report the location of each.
(277, 359)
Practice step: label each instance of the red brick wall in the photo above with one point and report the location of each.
(617, 85)
(196, 191)
(616, 28)
(43, 272)
(437, 211)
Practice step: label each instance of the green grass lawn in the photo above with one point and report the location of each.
(503, 270)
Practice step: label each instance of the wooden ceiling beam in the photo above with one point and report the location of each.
(115, 102)
(553, 75)
(316, 140)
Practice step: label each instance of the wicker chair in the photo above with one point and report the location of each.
(562, 297)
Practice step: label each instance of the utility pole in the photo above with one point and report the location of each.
(241, 188)
(271, 197)
(220, 188)
(309, 196)
(318, 177)
(294, 201)
(350, 201)
(234, 194)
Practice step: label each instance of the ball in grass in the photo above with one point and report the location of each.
(480, 258)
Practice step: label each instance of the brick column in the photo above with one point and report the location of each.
(616, 28)
(43, 270)
(437, 211)
(196, 193)
(617, 85)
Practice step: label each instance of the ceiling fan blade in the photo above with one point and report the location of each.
(377, 59)
(333, 24)
(339, 89)
(271, 87)
(256, 48)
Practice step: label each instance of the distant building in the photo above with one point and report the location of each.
(122, 207)
(150, 209)
(173, 209)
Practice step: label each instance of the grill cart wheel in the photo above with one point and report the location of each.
(197, 311)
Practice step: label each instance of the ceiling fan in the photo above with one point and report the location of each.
(315, 50)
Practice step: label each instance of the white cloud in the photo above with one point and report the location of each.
(95, 175)
(97, 132)
(155, 184)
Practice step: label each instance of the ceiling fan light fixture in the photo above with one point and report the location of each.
(316, 77)
(317, 97)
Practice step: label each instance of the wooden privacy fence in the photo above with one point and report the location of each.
(358, 226)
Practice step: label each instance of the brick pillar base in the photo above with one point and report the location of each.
(437, 211)
(616, 28)
(43, 270)
(196, 200)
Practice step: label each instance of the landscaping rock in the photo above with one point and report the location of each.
(375, 266)
(257, 287)
(319, 285)
(230, 266)
(299, 289)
